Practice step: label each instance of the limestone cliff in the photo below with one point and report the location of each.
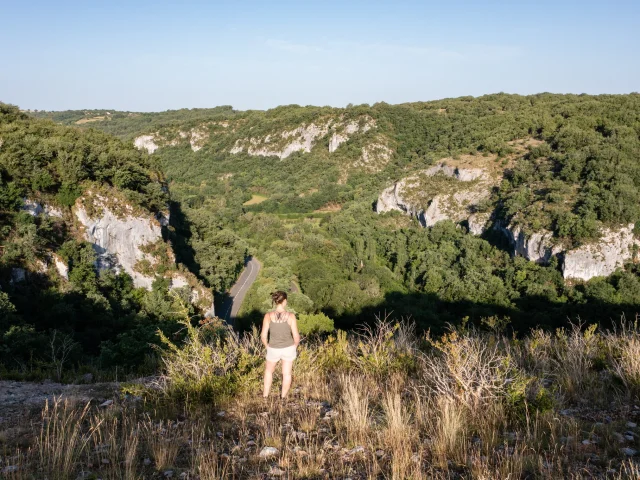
(601, 258)
(118, 235)
(129, 239)
(537, 247)
(443, 192)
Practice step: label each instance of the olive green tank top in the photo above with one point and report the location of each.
(280, 335)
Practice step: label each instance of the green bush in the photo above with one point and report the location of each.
(314, 323)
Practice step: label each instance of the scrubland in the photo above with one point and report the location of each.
(379, 402)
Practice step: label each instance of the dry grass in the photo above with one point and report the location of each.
(373, 405)
(255, 199)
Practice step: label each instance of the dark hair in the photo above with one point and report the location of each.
(278, 297)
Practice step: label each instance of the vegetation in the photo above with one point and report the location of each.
(578, 173)
(381, 402)
(48, 325)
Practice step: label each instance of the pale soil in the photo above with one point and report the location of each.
(89, 120)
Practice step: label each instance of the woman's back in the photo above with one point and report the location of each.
(280, 334)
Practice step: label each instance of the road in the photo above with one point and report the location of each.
(232, 304)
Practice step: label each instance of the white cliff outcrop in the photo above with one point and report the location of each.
(61, 267)
(146, 142)
(537, 247)
(196, 137)
(118, 238)
(35, 208)
(602, 258)
(414, 195)
(349, 129)
(302, 139)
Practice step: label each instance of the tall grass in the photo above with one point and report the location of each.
(381, 403)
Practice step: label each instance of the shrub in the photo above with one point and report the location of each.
(314, 323)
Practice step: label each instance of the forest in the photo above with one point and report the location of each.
(310, 219)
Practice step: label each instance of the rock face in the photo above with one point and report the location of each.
(301, 139)
(602, 258)
(457, 203)
(537, 247)
(61, 267)
(35, 208)
(146, 142)
(352, 127)
(118, 238)
(196, 137)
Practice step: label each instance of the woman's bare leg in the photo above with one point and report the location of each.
(268, 377)
(287, 367)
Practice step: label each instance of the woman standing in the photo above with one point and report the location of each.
(280, 336)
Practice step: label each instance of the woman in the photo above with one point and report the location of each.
(281, 329)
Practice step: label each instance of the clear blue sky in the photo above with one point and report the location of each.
(151, 56)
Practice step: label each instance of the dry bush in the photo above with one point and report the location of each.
(574, 352)
(398, 432)
(468, 369)
(448, 431)
(211, 365)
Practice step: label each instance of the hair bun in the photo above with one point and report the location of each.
(278, 297)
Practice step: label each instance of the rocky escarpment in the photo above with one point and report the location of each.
(196, 137)
(601, 258)
(442, 192)
(118, 235)
(129, 239)
(429, 199)
(537, 247)
(303, 138)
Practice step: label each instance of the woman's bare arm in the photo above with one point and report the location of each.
(264, 334)
(294, 329)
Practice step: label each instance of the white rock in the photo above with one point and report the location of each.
(268, 452)
(601, 258)
(537, 247)
(631, 425)
(10, 469)
(106, 403)
(52, 211)
(455, 206)
(118, 241)
(302, 138)
(629, 452)
(32, 207)
(168, 473)
(198, 138)
(145, 142)
(61, 267)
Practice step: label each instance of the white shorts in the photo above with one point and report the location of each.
(286, 353)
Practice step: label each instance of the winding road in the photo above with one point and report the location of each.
(232, 303)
